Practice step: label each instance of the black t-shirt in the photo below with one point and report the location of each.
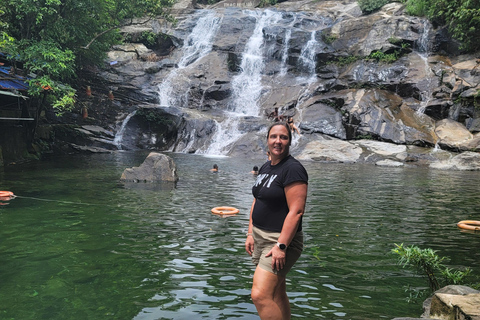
(271, 207)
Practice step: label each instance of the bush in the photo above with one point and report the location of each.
(427, 263)
(369, 6)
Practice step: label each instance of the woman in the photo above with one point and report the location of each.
(275, 238)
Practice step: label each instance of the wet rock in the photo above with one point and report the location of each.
(455, 302)
(465, 161)
(156, 167)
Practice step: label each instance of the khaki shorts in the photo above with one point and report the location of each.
(265, 240)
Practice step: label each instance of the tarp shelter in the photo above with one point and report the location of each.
(11, 84)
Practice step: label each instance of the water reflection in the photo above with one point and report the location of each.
(78, 244)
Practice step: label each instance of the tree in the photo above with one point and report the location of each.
(55, 38)
(461, 16)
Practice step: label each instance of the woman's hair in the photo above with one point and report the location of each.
(286, 126)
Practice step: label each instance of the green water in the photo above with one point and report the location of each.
(78, 244)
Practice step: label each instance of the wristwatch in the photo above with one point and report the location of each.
(282, 246)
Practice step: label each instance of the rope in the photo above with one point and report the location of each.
(62, 201)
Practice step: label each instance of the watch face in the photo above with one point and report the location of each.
(282, 246)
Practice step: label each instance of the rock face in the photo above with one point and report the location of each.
(453, 302)
(156, 167)
(209, 81)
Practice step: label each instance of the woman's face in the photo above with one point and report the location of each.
(278, 141)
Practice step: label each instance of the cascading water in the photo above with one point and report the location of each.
(119, 135)
(423, 51)
(307, 57)
(247, 86)
(286, 43)
(196, 45)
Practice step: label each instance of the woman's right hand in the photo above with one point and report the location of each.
(249, 244)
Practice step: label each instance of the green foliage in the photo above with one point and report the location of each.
(417, 7)
(368, 6)
(149, 39)
(395, 40)
(384, 57)
(344, 61)
(427, 263)
(55, 38)
(461, 16)
(266, 3)
(328, 39)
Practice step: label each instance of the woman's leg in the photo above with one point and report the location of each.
(269, 295)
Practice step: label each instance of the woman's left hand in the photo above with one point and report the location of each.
(278, 258)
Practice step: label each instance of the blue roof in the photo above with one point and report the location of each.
(11, 81)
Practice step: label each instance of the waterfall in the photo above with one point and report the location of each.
(246, 86)
(423, 51)
(286, 43)
(119, 134)
(197, 45)
(307, 59)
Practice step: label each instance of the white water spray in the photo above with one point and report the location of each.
(423, 51)
(247, 86)
(119, 135)
(307, 57)
(286, 43)
(197, 45)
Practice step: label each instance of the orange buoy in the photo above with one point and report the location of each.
(469, 225)
(6, 195)
(225, 210)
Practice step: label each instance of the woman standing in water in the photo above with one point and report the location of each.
(275, 238)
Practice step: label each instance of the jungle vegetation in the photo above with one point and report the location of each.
(50, 40)
(53, 39)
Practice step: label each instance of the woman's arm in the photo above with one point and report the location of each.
(296, 194)
(249, 243)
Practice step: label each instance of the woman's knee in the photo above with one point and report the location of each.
(258, 296)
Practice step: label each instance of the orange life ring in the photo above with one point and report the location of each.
(6, 195)
(225, 210)
(469, 225)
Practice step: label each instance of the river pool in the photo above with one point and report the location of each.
(79, 244)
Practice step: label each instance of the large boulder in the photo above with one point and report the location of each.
(455, 136)
(456, 303)
(156, 167)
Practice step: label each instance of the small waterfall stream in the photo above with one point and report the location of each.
(423, 51)
(283, 68)
(119, 135)
(307, 57)
(197, 44)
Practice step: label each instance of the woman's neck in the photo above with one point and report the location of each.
(276, 160)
